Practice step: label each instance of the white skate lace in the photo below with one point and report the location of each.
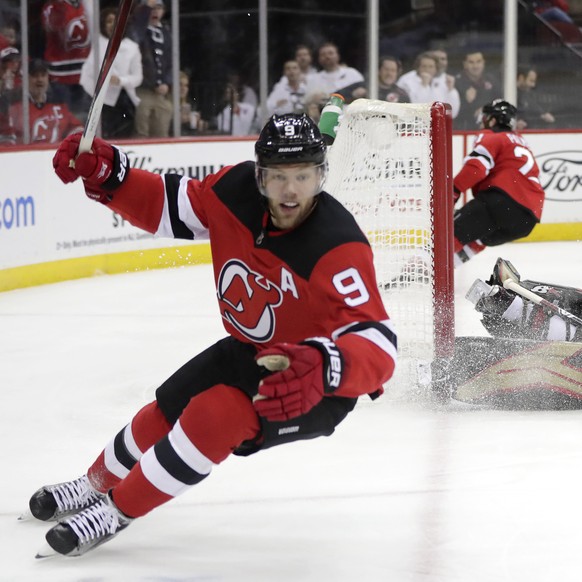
(73, 494)
(95, 521)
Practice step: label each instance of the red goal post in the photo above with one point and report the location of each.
(391, 166)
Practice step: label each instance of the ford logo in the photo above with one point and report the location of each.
(561, 175)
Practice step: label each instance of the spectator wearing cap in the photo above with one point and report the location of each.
(50, 122)
(9, 35)
(10, 84)
(154, 112)
(10, 73)
(67, 46)
(117, 118)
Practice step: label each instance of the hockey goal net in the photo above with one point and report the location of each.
(390, 165)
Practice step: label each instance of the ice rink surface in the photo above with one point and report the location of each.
(405, 491)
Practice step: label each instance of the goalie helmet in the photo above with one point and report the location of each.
(502, 111)
(290, 139)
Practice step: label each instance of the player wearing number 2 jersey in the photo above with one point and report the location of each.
(307, 330)
(504, 177)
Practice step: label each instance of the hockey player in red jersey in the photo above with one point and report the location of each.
(307, 330)
(504, 177)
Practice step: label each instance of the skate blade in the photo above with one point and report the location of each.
(45, 552)
(26, 516)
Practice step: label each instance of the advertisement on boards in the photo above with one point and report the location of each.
(43, 220)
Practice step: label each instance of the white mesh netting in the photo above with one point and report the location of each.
(380, 168)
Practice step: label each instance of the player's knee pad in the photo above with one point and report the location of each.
(148, 426)
(218, 420)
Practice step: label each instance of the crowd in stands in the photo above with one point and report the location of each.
(139, 103)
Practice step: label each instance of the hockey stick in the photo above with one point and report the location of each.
(509, 277)
(273, 363)
(104, 75)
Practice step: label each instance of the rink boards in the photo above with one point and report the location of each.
(51, 232)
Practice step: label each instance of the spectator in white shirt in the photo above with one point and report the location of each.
(245, 92)
(304, 58)
(445, 83)
(288, 96)
(421, 86)
(126, 74)
(333, 76)
(388, 72)
(238, 116)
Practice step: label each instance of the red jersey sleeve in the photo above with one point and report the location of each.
(140, 199)
(477, 165)
(165, 205)
(351, 312)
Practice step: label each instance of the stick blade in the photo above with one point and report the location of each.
(274, 362)
(505, 271)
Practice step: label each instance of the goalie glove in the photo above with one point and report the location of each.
(103, 169)
(302, 375)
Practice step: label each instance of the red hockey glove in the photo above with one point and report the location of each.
(102, 169)
(302, 375)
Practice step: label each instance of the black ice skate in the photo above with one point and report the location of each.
(84, 531)
(54, 502)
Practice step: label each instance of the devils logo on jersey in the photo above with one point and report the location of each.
(247, 300)
(77, 34)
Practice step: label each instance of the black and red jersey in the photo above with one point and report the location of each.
(502, 160)
(275, 286)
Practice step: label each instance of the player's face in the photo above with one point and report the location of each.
(290, 191)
